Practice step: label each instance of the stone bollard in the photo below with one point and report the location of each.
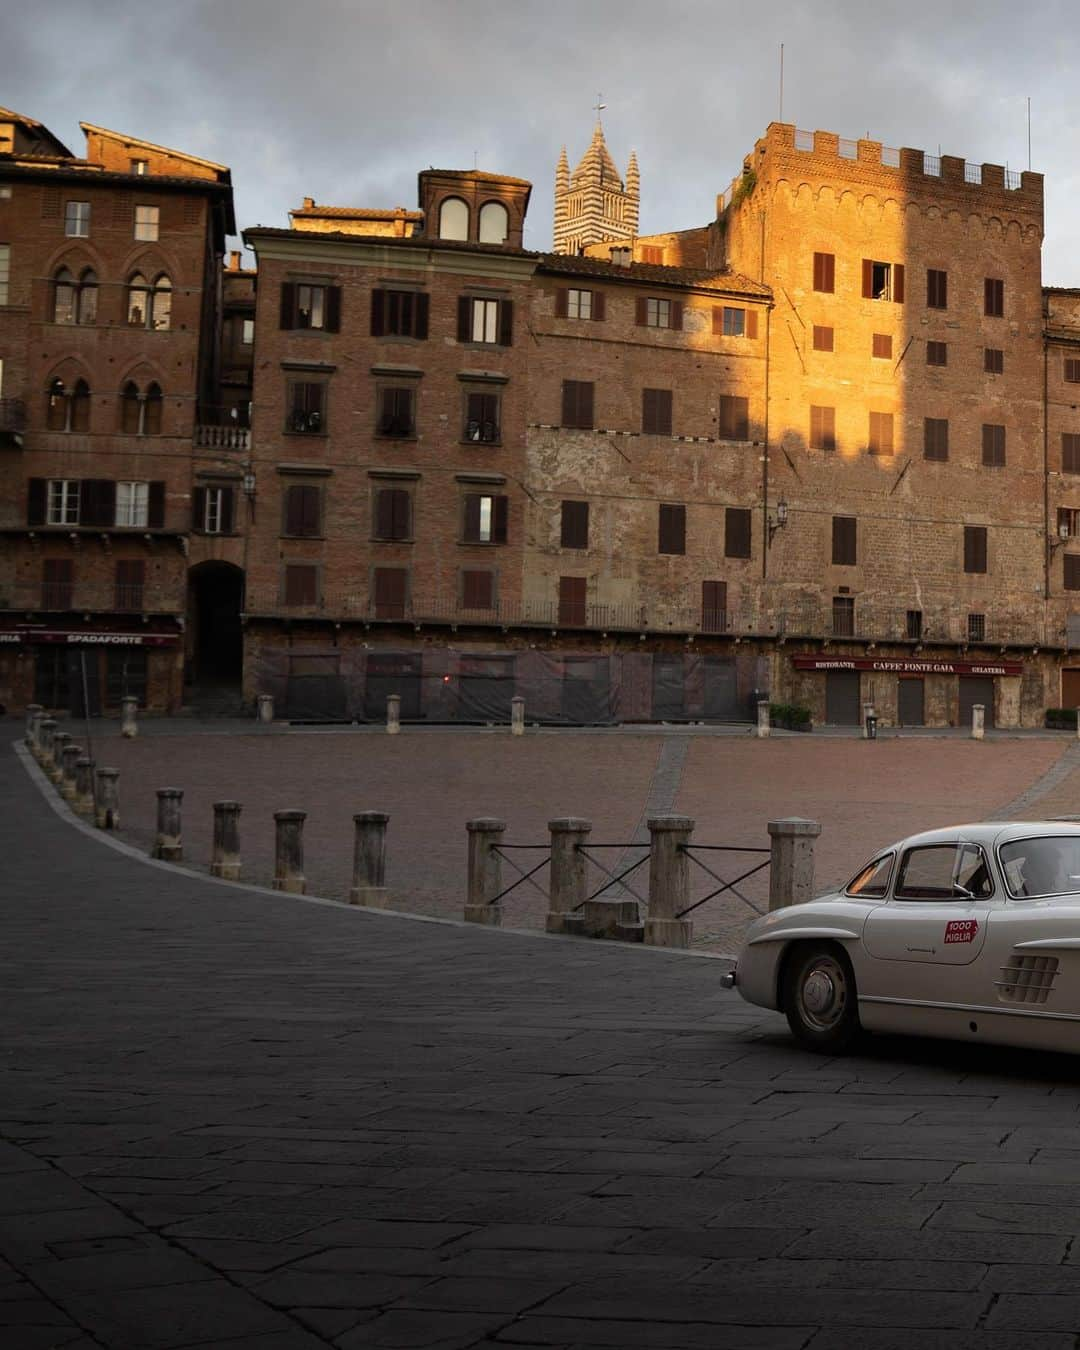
(485, 871)
(46, 742)
(266, 707)
(55, 766)
(669, 881)
(567, 889)
(128, 725)
(791, 868)
(34, 714)
(289, 851)
(107, 799)
(978, 721)
(71, 755)
(393, 714)
(225, 852)
(369, 860)
(84, 786)
(34, 741)
(168, 842)
(517, 716)
(763, 726)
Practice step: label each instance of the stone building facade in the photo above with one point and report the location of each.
(593, 205)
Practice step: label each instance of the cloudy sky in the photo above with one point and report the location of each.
(345, 100)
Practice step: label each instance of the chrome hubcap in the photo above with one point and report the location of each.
(822, 994)
(818, 992)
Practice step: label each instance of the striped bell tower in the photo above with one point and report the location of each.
(593, 204)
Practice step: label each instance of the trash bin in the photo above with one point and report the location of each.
(871, 726)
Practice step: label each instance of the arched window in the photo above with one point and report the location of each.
(494, 223)
(80, 407)
(138, 306)
(130, 409)
(57, 409)
(161, 303)
(453, 219)
(86, 308)
(64, 297)
(152, 406)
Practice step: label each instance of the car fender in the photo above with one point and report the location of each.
(758, 969)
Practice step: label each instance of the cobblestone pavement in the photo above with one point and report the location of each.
(237, 1119)
(866, 794)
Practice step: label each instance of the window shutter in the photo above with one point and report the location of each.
(198, 508)
(974, 548)
(736, 532)
(500, 515)
(293, 510)
(155, 515)
(663, 411)
(573, 594)
(598, 306)
(672, 529)
(898, 283)
(868, 278)
(384, 513)
(36, 490)
(648, 410)
(478, 590)
(843, 541)
(378, 312)
(714, 606)
(311, 502)
(718, 320)
(585, 404)
(1072, 572)
(641, 314)
(288, 304)
(562, 308)
(575, 525)
(569, 403)
(301, 584)
(97, 502)
(400, 513)
(464, 315)
(332, 321)
(472, 518)
(751, 324)
(420, 329)
(390, 586)
(228, 495)
(506, 323)
(676, 315)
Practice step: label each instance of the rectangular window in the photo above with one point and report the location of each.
(477, 589)
(657, 313)
(1070, 452)
(914, 625)
(301, 584)
(308, 306)
(882, 346)
(993, 446)
(399, 313)
(485, 321)
(936, 438)
(139, 167)
(652, 253)
(993, 360)
(734, 421)
(976, 627)
(974, 548)
(77, 220)
(937, 289)
(577, 404)
(736, 532)
(579, 304)
(843, 541)
(714, 617)
(485, 519)
(307, 408)
(130, 582)
(573, 592)
(672, 531)
(302, 511)
(1068, 522)
(391, 586)
(5, 272)
(146, 222)
(881, 433)
(734, 322)
(825, 272)
(937, 353)
(132, 504)
(1072, 371)
(247, 332)
(994, 297)
(63, 507)
(822, 428)
(393, 514)
(574, 532)
(213, 512)
(1071, 579)
(396, 411)
(482, 418)
(656, 412)
(843, 616)
(823, 339)
(882, 281)
(57, 583)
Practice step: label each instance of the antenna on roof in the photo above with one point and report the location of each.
(476, 159)
(1029, 133)
(781, 82)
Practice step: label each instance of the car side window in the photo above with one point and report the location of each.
(1041, 866)
(944, 872)
(873, 880)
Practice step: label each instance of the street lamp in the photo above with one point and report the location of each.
(778, 521)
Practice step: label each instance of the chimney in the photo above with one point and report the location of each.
(309, 203)
(234, 260)
(399, 222)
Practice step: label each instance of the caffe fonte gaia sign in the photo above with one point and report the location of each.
(903, 666)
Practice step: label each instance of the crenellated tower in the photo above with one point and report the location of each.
(593, 204)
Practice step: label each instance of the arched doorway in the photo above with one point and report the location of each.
(216, 651)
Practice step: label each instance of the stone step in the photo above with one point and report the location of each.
(630, 932)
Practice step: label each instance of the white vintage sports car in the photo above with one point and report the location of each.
(971, 932)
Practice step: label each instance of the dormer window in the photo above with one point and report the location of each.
(454, 219)
(494, 223)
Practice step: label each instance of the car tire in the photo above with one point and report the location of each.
(819, 998)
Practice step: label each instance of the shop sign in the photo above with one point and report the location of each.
(90, 639)
(904, 666)
(10, 639)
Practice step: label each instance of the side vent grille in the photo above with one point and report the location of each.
(1027, 978)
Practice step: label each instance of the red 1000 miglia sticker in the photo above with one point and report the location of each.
(961, 930)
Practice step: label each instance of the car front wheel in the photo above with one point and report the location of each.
(819, 999)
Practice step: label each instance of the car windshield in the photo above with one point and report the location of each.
(1049, 865)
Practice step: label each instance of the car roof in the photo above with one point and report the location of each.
(991, 833)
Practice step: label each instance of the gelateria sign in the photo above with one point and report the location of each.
(903, 666)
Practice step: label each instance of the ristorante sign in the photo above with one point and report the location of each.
(904, 666)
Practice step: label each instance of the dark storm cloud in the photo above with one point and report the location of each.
(345, 102)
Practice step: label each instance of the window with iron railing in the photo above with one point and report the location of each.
(843, 616)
